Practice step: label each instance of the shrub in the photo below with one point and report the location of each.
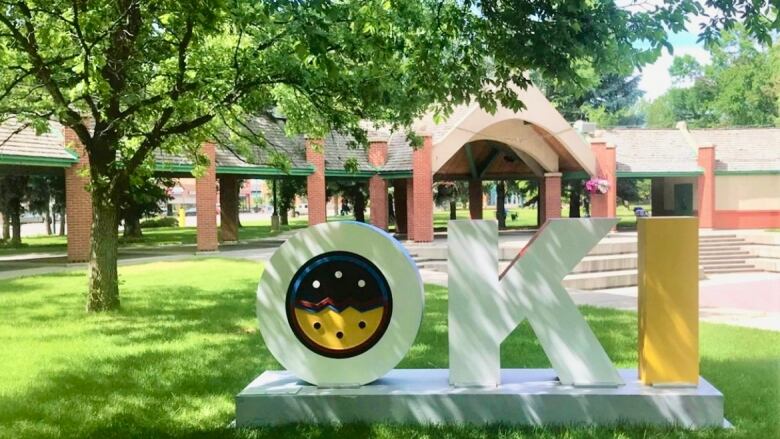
(162, 221)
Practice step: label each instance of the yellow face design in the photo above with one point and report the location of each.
(339, 330)
(339, 304)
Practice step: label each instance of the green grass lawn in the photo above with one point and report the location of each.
(185, 342)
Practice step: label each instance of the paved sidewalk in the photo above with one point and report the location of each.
(745, 299)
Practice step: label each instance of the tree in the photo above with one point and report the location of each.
(355, 192)
(686, 68)
(143, 200)
(606, 99)
(39, 198)
(131, 77)
(13, 189)
(289, 188)
(450, 193)
(636, 190)
(735, 90)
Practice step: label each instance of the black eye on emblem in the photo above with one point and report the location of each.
(339, 304)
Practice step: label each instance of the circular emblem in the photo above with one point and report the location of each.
(339, 304)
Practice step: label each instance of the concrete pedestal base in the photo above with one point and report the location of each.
(526, 396)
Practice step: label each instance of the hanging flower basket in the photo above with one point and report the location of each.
(597, 186)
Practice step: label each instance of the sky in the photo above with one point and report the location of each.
(655, 77)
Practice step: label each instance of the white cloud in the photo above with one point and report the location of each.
(655, 77)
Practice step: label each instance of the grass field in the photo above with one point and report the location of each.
(185, 342)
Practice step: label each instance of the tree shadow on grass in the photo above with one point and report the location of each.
(177, 359)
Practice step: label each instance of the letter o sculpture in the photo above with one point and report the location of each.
(340, 304)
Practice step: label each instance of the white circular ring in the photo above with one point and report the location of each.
(406, 288)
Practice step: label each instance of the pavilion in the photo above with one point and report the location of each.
(472, 145)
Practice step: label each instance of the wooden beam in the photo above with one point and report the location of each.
(494, 154)
(472, 165)
(535, 167)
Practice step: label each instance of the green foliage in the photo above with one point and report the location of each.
(739, 88)
(633, 190)
(162, 221)
(605, 99)
(685, 67)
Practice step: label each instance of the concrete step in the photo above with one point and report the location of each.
(601, 280)
(723, 251)
(732, 238)
(723, 236)
(712, 245)
(725, 264)
(740, 257)
(746, 269)
(603, 263)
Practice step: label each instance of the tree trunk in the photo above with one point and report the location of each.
(500, 208)
(360, 206)
(283, 217)
(453, 210)
(15, 212)
(390, 209)
(6, 226)
(574, 201)
(132, 224)
(103, 280)
(62, 223)
(47, 220)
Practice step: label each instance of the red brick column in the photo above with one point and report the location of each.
(315, 183)
(206, 202)
(551, 196)
(706, 186)
(410, 209)
(475, 199)
(604, 205)
(422, 182)
(377, 186)
(228, 207)
(399, 200)
(78, 201)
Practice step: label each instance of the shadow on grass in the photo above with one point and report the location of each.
(169, 364)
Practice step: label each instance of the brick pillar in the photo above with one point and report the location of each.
(228, 207)
(78, 201)
(377, 186)
(422, 188)
(475, 199)
(604, 205)
(399, 199)
(315, 183)
(551, 196)
(410, 209)
(706, 186)
(206, 202)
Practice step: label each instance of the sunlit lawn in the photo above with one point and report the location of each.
(185, 342)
